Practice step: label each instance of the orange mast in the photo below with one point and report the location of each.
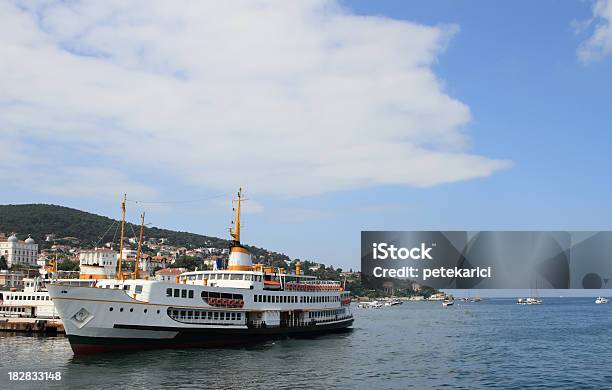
(120, 260)
(139, 252)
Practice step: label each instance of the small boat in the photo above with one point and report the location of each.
(601, 300)
(393, 302)
(448, 302)
(529, 301)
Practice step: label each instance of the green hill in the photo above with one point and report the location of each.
(39, 220)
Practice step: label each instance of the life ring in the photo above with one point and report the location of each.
(218, 301)
(241, 303)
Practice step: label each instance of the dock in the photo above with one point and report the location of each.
(32, 325)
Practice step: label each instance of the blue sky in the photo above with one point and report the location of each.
(515, 120)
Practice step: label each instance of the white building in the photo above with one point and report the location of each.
(16, 251)
(98, 263)
(129, 253)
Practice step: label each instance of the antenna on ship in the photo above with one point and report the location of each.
(139, 252)
(120, 261)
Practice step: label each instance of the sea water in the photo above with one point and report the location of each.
(564, 343)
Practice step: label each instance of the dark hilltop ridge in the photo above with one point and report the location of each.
(38, 220)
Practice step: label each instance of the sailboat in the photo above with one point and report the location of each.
(533, 300)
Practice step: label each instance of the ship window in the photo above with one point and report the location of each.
(168, 292)
(255, 298)
(216, 315)
(126, 287)
(145, 310)
(233, 316)
(190, 293)
(110, 309)
(189, 314)
(209, 315)
(236, 276)
(121, 309)
(158, 312)
(131, 309)
(177, 292)
(200, 276)
(138, 289)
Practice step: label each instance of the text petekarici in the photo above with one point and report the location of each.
(384, 251)
(427, 273)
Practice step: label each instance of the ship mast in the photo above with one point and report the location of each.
(120, 260)
(139, 252)
(235, 233)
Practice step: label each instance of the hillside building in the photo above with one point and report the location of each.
(16, 251)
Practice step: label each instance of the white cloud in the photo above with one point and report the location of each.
(283, 98)
(599, 44)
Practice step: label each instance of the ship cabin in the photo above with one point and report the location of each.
(258, 280)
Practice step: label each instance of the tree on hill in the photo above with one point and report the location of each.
(68, 265)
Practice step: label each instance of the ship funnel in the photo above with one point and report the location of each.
(239, 259)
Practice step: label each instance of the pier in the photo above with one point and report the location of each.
(31, 325)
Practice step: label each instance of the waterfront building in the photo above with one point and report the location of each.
(168, 274)
(16, 251)
(98, 263)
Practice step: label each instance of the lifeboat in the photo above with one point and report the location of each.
(271, 284)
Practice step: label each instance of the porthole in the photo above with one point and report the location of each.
(110, 309)
(145, 310)
(158, 312)
(131, 309)
(121, 309)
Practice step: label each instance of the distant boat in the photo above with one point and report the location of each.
(448, 302)
(393, 302)
(601, 300)
(529, 301)
(370, 305)
(533, 300)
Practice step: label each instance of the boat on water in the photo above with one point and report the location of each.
(529, 301)
(33, 301)
(371, 305)
(243, 303)
(448, 302)
(393, 302)
(601, 300)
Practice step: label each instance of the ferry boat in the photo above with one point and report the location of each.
(242, 304)
(34, 300)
